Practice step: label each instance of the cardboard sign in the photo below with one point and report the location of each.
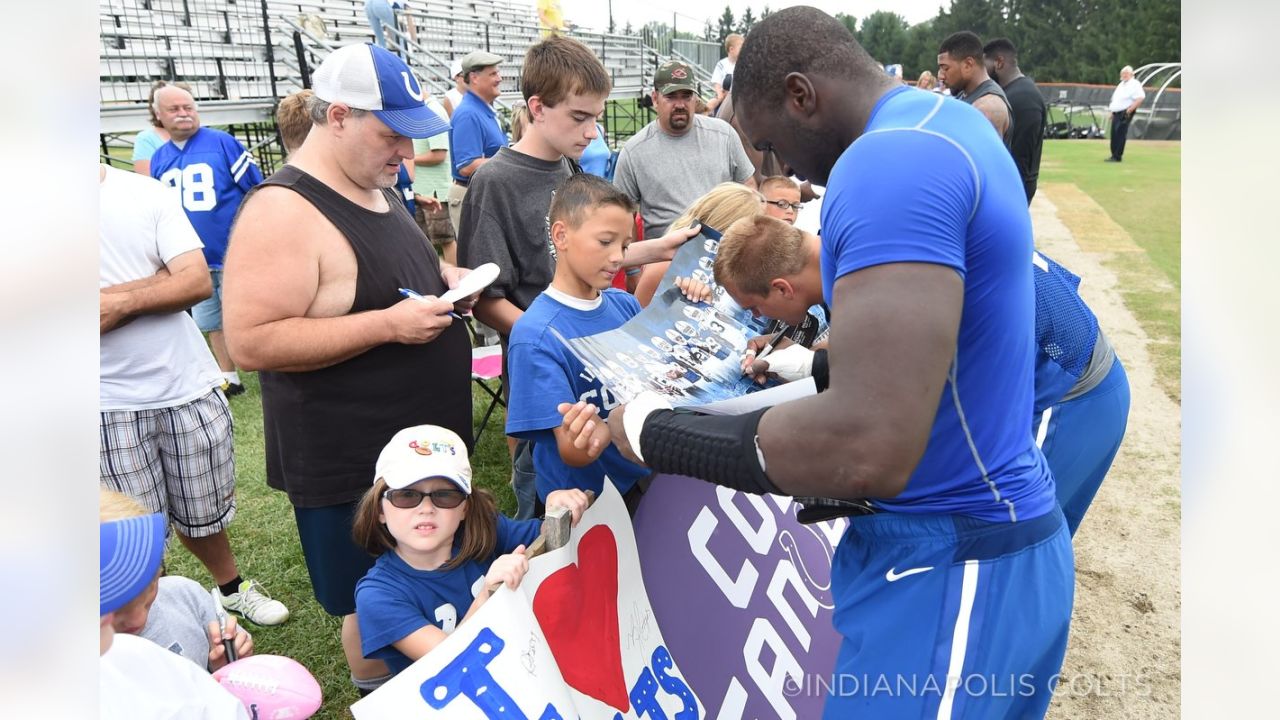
(742, 592)
(578, 639)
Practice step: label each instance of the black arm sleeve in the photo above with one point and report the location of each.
(720, 449)
(821, 371)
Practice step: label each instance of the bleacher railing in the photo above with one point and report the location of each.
(241, 56)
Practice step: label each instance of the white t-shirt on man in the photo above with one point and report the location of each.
(160, 360)
(1126, 93)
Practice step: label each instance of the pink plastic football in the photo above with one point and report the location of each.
(272, 687)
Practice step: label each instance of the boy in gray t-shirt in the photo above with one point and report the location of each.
(182, 620)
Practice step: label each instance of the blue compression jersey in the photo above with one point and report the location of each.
(1066, 331)
(929, 181)
(213, 172)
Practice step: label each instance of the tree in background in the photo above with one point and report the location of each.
(884, 35)
(726, 26)
(1084, 41)
(849, 22)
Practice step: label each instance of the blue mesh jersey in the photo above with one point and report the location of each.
(928, 181)
(213, 171)
(1066, 331)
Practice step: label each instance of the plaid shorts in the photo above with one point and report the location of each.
(175, 460)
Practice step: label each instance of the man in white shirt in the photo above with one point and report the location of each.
(1126, 99)
(164, 423)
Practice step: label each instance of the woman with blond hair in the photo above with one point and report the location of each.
(719, 208)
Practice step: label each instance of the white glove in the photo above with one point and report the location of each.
(792, 362)
(637, 412)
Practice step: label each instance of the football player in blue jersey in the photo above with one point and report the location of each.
(954, 581)
(213, 172)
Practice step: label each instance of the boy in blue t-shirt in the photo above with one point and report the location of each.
(591, 226)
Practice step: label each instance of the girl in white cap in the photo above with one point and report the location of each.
(443, 547)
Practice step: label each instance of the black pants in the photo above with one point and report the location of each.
(1119, 128)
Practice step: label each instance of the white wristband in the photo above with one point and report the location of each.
(637, 412)
(793, 362)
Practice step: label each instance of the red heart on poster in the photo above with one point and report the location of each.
(577, 607)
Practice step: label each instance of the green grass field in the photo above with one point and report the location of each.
(1142, 195)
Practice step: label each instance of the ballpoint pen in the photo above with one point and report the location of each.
(228, 644)
(411, 294)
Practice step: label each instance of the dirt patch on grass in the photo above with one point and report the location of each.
(1124, 656)
(1148, 293)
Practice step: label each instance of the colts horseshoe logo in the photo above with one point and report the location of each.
(408, 86)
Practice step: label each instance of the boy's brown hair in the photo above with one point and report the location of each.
(559, 67)
(293, 120)
(479, 526)
(755, 250)
(778, 181)
(581, 193)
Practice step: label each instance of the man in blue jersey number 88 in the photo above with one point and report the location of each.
(213, 172)
(956, 585)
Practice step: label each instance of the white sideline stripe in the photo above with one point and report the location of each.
(1043, 430)
(959, 637)
(239, 161)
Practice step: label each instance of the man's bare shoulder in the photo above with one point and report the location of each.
(279, 214)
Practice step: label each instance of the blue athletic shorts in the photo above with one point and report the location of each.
(1080, 438)
(208, 312)
(334, 561)
(945, 616)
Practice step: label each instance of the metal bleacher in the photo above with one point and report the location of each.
(241, 56)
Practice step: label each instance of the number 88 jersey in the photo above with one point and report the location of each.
(212, 171)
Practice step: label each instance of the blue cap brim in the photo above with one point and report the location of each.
(129, 554)
(417, 123)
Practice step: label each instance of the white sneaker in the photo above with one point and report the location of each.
(254, 604)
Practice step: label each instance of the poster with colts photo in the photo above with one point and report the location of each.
(577, 639)
(689, 352)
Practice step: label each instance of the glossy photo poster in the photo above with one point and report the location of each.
(689, 351)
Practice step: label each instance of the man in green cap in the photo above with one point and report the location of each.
(677, 158)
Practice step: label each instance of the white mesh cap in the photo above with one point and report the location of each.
(368, 77)
(421, 452)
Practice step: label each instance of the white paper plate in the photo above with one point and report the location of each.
(475, 281)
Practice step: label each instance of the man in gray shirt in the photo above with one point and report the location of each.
(677, 158)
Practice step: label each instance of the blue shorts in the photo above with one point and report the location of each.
(208, 312)
(948, 616)
(1080, 438)
(334, 561)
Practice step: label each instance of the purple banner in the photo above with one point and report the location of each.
(742, 594)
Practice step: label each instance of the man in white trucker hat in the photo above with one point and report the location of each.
(322, 248)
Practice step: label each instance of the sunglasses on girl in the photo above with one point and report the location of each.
(408, 499)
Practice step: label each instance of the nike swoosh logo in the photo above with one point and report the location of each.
(892, 576)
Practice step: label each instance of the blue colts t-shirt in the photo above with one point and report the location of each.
(394, 600)
(544, 374)
(930, 181)
(213, 172)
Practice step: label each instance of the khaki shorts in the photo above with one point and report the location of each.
(437, 225)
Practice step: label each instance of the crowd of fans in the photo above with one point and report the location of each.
(326, 279)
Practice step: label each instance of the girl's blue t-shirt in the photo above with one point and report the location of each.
(393, 600)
